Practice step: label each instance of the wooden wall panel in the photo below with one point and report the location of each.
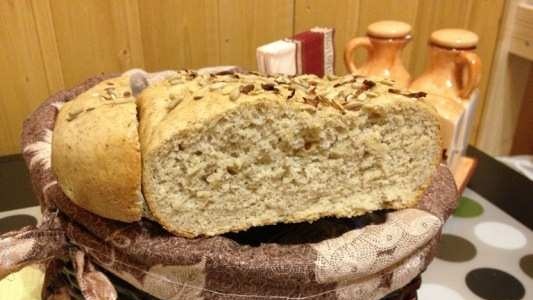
(247, 24)
(95, 36)
(433, 15)
(192, 34)
(179, 34)
(23, 82)
(523, 137)
(485, 19)
(48, 42)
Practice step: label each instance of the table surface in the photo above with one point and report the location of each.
(486, 250)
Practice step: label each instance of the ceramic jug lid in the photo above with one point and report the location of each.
(389, 29)
(454, 38)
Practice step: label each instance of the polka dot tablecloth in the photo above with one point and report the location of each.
(484, 254)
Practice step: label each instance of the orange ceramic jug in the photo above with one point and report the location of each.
(384, 43)
(454, 70)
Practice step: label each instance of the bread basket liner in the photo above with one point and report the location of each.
(364, 263)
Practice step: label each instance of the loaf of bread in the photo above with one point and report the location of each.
(227, 152)
(96, 152)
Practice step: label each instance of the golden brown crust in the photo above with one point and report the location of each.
(96, 151)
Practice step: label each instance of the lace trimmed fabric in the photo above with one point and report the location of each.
(356, 258)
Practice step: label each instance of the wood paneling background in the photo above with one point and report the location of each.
(47, 45)
(523, 137)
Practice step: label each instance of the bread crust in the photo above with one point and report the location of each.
(96, 151)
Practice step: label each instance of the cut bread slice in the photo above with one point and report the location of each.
(225, 153)
(96, 152)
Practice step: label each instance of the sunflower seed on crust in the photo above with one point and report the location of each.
(235, 94)
(353, 106)
(172, 104)
(74, 114)
(216, 86)
(247, 88)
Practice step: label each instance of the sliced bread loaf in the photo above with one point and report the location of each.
(228, 152)
(96, 151)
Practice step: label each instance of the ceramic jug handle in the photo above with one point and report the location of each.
(350, 48)
(472, 64)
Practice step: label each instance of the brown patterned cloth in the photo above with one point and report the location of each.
(362, 258)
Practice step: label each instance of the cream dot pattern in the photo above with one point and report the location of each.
(500, 235)
(435, 291)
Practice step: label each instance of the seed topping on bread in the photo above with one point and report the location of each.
(343, 93)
